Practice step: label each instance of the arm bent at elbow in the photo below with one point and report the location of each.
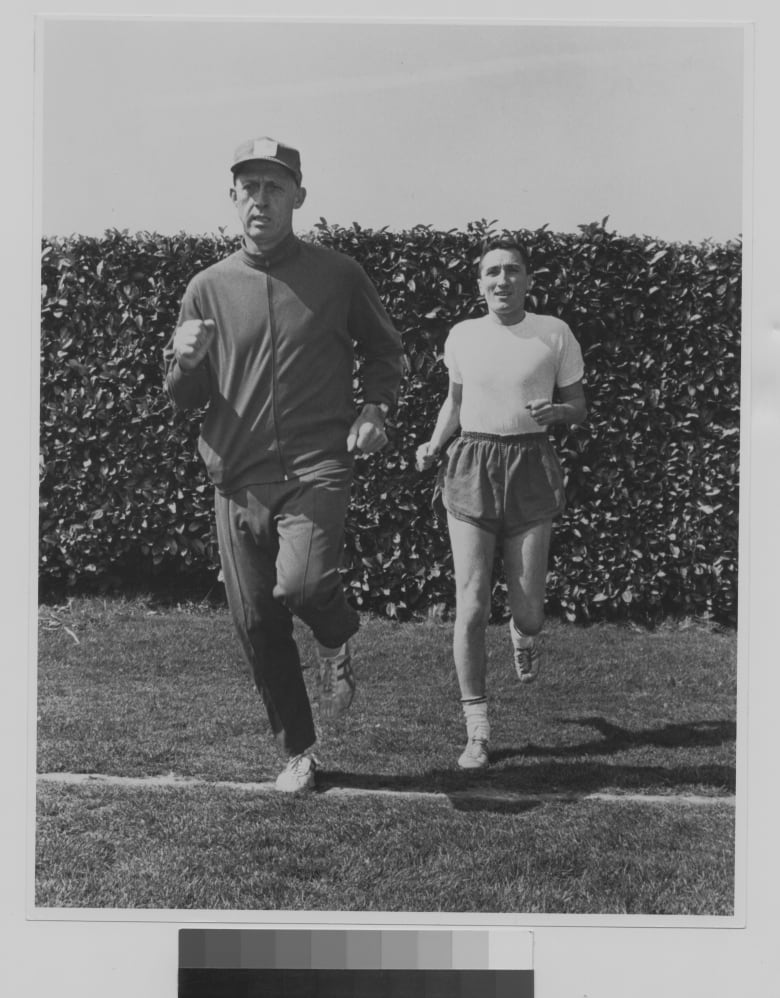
(188, 389)
(447, 423)
(187, 381)
(568, 408)
(571, 402)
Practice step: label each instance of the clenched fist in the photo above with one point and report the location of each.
(191, 342)
(426, 456)
(543, 411)
(367, 433)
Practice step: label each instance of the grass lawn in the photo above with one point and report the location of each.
(131, 688)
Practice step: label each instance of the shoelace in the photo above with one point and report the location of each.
(334, 672)
(328, 678)
(527, 656)
(297, 762)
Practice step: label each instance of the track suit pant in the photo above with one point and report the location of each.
(281, 547)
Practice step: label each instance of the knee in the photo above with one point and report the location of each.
(301, 593)
(472, 611)
(293, 592)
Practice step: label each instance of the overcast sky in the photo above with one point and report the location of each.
(397, 125)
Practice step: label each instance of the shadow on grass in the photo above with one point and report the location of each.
(695, 734)
(539, 770)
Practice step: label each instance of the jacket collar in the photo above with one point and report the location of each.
(284, 250)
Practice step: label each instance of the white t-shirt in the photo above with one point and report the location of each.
(502, 368)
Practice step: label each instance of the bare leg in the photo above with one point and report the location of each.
(473, 550)
(525, 568)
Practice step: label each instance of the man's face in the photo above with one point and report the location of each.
(265, 196)
(503, 282)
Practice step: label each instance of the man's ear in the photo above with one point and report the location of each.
(300, 197)
(232, 193)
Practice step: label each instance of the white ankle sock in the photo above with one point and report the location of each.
(475, 713)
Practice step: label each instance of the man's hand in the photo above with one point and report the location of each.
(191, 342)
(543, 411)
(367, 433)
(426, 456)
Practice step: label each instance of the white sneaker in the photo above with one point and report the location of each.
(528, 661)
(298, 774)
(337, 682)
(475, 754)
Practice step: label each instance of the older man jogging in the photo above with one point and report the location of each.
(265, 341)
(513, 374)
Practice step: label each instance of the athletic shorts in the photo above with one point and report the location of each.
(503, 484)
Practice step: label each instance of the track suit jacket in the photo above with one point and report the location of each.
(279, 377)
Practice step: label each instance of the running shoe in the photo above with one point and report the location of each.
(337, 682)
(528, 660)
(299, 774)
(475, 754)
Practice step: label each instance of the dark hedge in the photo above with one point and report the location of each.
(652, 477)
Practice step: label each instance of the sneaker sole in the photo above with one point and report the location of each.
(472, 768)
(309, 785)
(465, 762)
(297, 790)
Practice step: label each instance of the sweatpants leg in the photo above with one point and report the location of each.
(249, 547)
(311, 544)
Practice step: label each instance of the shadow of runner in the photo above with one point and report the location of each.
(693, 734)
(553, 777)
(473, 797)
(520, 788)
(569, 767)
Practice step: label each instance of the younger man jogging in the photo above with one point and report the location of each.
(513, 375)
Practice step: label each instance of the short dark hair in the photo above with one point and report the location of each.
(491, 243)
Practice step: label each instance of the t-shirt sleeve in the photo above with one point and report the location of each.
(451, 360)
(571, 367)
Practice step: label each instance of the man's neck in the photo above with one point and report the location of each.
(268, 251)
(508, 320)
(260, 247)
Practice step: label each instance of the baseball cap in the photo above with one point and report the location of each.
(270, 150)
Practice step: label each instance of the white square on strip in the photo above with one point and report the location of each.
(265, 147)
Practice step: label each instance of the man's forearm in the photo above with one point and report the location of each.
(381, 375)
(570, 413)
(447, 423)
(187, 389)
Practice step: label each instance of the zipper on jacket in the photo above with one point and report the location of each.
(274, 383)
